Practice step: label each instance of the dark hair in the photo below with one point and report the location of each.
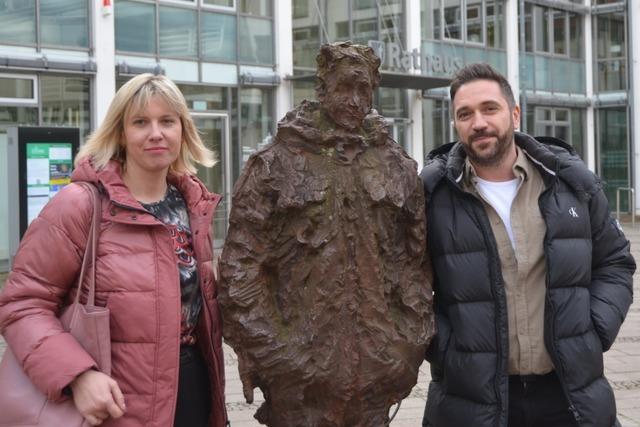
(481, 71)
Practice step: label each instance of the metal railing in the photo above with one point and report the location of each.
(632, 199)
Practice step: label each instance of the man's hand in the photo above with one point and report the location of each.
(97, 397)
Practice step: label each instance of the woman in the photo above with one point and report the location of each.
(154, 272)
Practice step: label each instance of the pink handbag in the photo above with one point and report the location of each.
(21, 403)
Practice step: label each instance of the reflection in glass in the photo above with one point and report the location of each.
(256, 121)
(218, 36)
(576, 36)
(430, 16)
(614, 152)
(303, 90)
(204, 97)
(306, 33)
(611, 52)
(541, 17)
(435, 119)
(391, 23)
(64, 23)
(392, 102)
(16, 88)
(365, 21)
(528, 27)
(474, 21)
(256, 7)
(212, 132)
(495, 24)
(222, 3)
(135, 27)
(18, 21)
(453, 19)
(559, 32)
(178, 32)
(337, 20)
(577, 131)
(16, 116)
(65, 102)
(256, 40)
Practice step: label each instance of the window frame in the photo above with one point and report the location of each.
(22, 102)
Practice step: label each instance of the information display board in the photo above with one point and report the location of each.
(48, 170)
(44, 163)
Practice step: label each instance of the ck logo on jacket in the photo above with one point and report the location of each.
(573, 212)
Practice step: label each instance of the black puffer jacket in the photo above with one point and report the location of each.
(589, 290)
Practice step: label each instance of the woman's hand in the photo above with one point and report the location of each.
(97, 396)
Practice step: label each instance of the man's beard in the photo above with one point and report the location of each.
(497, 153)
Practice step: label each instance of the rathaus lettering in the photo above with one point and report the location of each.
(393, 57)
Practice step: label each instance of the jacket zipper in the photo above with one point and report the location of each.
(550, 338)
(487, 226)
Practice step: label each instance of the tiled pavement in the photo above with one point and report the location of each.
(622, 367)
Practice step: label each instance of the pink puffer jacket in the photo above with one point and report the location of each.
(137, 278)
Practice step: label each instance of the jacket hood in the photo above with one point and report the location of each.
(109, 181)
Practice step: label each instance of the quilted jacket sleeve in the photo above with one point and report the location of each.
(611, 271)
(44, 269)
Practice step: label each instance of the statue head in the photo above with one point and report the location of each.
(347, 75)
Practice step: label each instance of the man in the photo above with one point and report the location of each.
(323, 272)
(532, 277)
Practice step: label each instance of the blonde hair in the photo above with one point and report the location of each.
(107, 142)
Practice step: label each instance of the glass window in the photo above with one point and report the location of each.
(613, 152)
(15, 116)
(178, 32)
(300, 9)
(337, 21)
(528, 27)
(453, 19)
(221, 3)
(391, 102)
(306, 33)
(256, 121)
(256, 7)
(495, 24)
(256, 40)
(611, 52)
(541, 21)
(65, 102)
(559, 32)
(474, 21)
(218, 36)
(64, 23)
(16, 88)
(391, 23)
(576, 36)
(435, 122)
(577, 131)
(18, 21)
(202, 98)
(303, 90)
(430, 11)
(135, 27)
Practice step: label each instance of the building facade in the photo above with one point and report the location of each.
(242, 64)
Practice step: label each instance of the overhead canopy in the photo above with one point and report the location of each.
(395, 80)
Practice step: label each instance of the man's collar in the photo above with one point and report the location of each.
(521, 168)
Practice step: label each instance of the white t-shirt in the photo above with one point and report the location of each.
(500, 196)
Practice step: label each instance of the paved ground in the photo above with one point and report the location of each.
(622, 366)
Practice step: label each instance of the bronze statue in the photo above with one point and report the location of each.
(326, 288)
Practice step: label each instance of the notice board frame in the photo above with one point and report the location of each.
(32, 134)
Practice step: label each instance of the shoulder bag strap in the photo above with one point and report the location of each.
(91, 247)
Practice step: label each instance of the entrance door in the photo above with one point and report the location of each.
(214, 131)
